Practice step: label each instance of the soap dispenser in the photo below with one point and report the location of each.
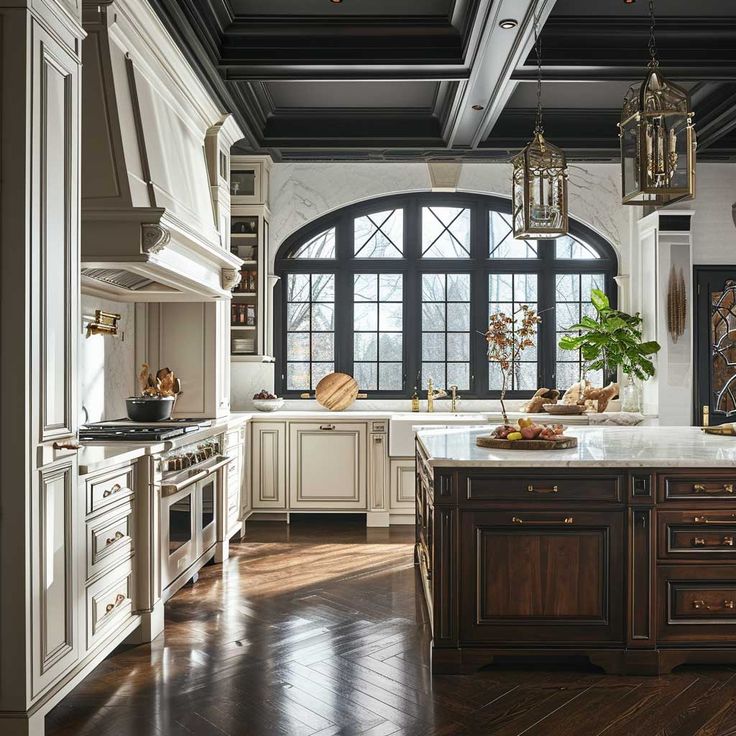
(415, 400)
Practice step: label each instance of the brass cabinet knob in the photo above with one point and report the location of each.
(699, 542)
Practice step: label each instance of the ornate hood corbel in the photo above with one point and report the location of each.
(230, 278)
(154, 238)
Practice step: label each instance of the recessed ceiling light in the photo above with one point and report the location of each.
(335, 2)
(477, 107)
(507, 23)
(629, 2)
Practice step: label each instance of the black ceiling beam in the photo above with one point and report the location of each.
(569, 128)
(715, 115)
(623, 73)
(340, 128)
(612, 41)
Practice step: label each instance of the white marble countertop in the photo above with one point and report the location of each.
(604, 447)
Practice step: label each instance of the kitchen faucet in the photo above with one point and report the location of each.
(433, 394)
(453, 395)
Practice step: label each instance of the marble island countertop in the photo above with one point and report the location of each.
(664, 447)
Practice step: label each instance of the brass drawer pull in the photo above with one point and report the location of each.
(725, 488)
(111, 540)
(119, 598)
(531, 489)
(111, 491)
(66, 446)
(566, 520)
(725, 542)
(714, 522)
(327, 427)
(727, 604)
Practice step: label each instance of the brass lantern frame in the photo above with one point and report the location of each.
(539, 160)
(638, 108)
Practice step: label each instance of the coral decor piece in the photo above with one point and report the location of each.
(507, 338)
(541, 397)
(676, 305)
(596, 399)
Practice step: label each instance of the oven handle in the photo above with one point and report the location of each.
(169, 489)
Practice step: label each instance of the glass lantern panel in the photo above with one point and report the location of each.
(630, 158)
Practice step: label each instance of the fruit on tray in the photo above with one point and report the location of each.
(527, 429)
(263, 394)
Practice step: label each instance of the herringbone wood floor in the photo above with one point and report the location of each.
(318, 630)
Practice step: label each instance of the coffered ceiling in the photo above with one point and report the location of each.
(442, 79)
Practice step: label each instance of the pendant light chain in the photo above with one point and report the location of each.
(538, 127)
(652, 42)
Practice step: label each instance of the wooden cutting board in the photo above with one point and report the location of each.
(565, 443)
(337, 391)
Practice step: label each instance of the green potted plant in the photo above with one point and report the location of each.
(610, 341)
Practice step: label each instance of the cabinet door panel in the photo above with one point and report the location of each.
(403, 478)
(56, 248)
(268, 460)
(54, 575)
(542, 576)
(327, 465)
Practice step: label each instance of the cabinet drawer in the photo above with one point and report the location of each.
(697, 485)
(109, 605)
(692, 534)
(697, 603)
(110, 488)
(109, 539)
(545, 487)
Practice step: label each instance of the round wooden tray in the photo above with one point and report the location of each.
(563, 409)
(564, 443)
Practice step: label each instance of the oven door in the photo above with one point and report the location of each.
(207, 491)
(178, 533)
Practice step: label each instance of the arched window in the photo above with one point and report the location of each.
(398, 290)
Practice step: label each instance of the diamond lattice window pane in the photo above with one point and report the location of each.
(320, 246)
(501, 242)
(445, 232)
(380, 235)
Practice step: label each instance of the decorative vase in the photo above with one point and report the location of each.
(631, 396)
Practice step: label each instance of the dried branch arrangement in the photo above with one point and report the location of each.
(507, 337)
(676, 305)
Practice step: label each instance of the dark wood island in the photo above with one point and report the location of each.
(620, 550)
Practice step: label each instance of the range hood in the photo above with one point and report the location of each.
(149, 230)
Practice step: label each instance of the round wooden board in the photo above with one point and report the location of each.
(492, 443)
(336, 391)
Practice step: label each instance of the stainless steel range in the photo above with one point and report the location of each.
(192, 486)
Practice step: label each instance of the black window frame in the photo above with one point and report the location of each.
(412, 265)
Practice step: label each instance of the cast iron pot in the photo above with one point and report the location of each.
(149, 408)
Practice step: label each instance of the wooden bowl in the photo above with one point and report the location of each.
(563, 409)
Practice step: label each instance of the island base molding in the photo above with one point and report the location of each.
(612, 661)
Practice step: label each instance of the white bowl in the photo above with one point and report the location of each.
(268, 404)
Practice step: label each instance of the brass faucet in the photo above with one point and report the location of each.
(453, 396)
(432, 395)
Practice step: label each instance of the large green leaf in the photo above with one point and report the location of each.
(599, 300)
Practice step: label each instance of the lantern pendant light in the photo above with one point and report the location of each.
(539, 184)
(657, 138)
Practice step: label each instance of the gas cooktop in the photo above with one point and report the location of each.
(123, 430)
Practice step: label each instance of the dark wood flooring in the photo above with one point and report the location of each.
(318, 629)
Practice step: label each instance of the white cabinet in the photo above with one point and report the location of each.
(378, 467)
(56, 645)
(402, 484)
(234, 449)
(327, 465)
(268, 465)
